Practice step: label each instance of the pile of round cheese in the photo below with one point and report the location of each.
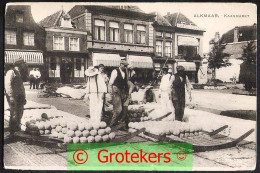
(177, 128)
(67, 129)
(137, 115)
(83, 132)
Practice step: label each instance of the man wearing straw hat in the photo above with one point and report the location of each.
(95, 91)
(15, 94)
(165, 92)
(119, 89)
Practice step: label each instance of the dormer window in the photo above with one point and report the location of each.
(19, 17)
(66, 21)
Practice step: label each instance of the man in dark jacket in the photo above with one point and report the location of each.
(119, 89)
(15, 93)
(178, 82)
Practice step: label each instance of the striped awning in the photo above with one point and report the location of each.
(189, 66)
(140, 61)
(30, 57)
(109, 60)
(187, 41)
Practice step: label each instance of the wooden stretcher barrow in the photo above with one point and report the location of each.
(207, 142)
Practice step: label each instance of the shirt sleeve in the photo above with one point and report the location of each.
(172, 79)
(113, 77)
(8, 82)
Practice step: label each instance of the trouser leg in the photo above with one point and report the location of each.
(93, 106)
(100, 103)
(164, 101)
(117, 107)
(177, 110)
(182, 107)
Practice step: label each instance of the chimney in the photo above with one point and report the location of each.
(236, 34)
(217, 37)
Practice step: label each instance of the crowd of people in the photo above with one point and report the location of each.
(119, 85)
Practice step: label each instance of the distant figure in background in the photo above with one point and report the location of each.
(37, 78)
(165, 92)
(32, 78)
(178, 82)
(15, 93)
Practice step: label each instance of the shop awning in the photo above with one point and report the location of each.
(140, 61)
(109, 60)
(187, 41)
(30, 57)
(189, 66)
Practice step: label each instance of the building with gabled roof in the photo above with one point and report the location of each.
(66, 49)
(23, 38)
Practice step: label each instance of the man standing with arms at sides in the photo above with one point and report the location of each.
(118, 87)
(102, 82)
(178, 82)
(15, 94)
(32, 78)
(165, 91)
(37, 78)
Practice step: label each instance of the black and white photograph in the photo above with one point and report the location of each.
(130, 75)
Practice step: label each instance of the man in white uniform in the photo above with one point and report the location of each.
(96, 87)
(165, 91)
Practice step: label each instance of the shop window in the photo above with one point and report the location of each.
(58, 43)
(159, 48)
(53, 63)
(74, 44)
(159, 34)
(114, 31)
(168, 49)
(141, 34)
(19, 17)
(28, 38)
(100, 30)
(168, 35)
(188, 52)
(10, 37)
(78, 64)
(128, 32)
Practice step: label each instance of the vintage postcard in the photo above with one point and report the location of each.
(130, 86)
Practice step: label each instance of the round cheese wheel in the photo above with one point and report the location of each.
(73, 126)
(91, 139)
(64, 130)
(60, 135)
(112, 135)
(81, 127)
(58, 129)
(98, 138)
(103, 124)
(88, 127)
(107, 130)
(75, 140)
(85, 133)
(47, 132)
(96, 126)
(105, 138)
(63, 123)
(70, 133)
(55, 134)
(67, 139)
(101, 132)
(78, 133)
(93, 132)
(83, 140)
(42, 132)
